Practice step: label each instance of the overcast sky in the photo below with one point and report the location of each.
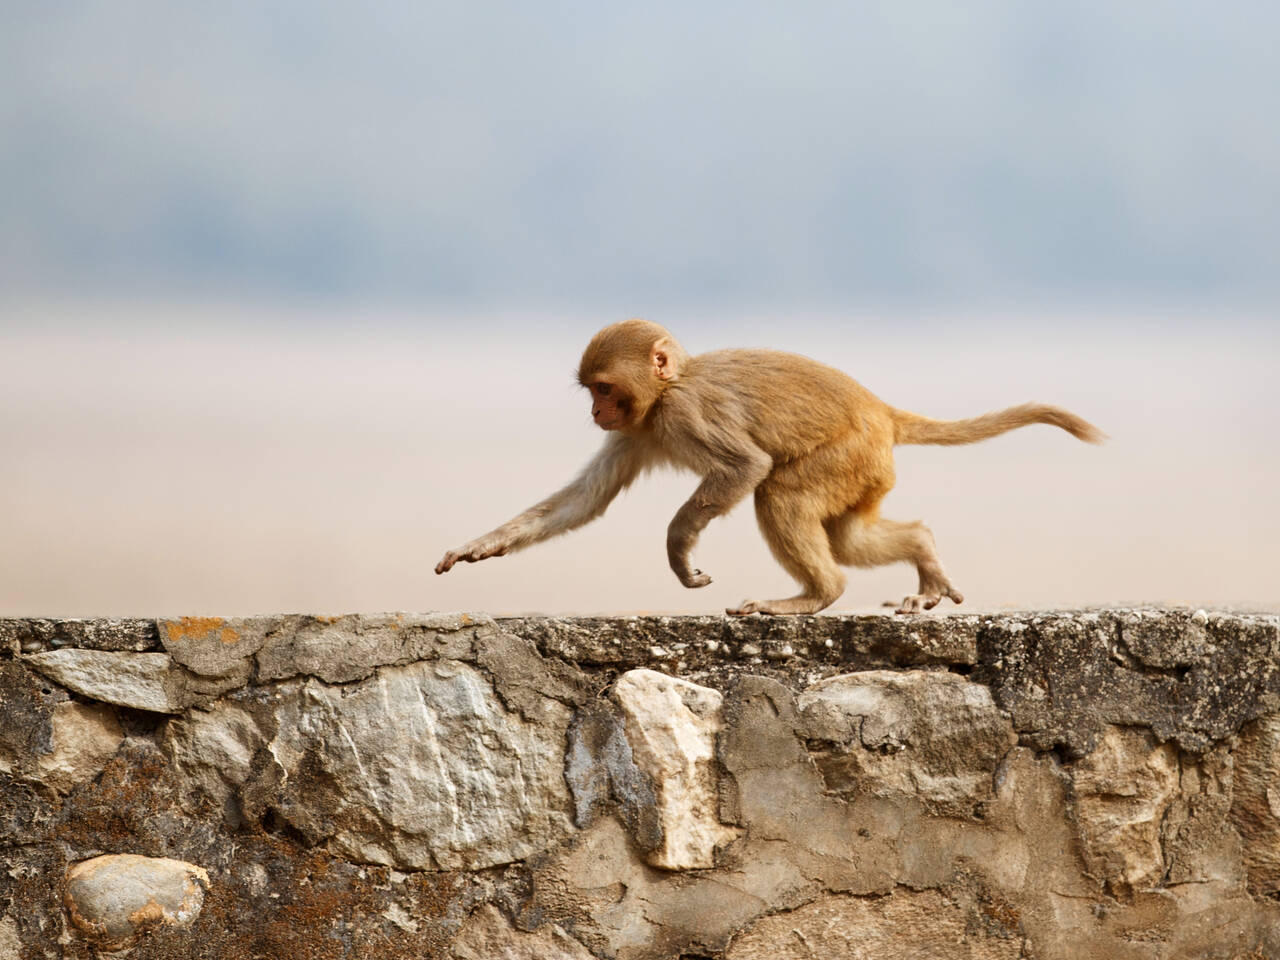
(641, 156)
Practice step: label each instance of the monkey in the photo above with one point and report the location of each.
(812, 445)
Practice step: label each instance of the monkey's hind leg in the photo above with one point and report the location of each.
(800, 544)
(862, 539)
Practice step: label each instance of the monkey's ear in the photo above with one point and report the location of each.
(663, 359)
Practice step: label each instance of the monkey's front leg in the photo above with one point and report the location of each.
(615, 466)
(715, 496)
(682, 534)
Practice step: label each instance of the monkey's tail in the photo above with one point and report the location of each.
(913, 428)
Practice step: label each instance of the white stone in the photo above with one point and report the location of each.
(85, 737)
(144, 681)
(1121, 792)
(420, 766)
(113, 899)
(672, 726)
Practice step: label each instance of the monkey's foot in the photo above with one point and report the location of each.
(920, 602)
(791, 605)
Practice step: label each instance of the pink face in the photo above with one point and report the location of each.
(610, 407)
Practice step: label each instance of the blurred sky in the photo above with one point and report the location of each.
(290, 294)
(652, 154)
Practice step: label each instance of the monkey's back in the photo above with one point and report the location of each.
(789, 403)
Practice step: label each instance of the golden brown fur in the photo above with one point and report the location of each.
(813, 446)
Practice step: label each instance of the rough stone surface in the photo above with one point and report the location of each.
(932, 736)
(488, 936)
(342, 649)
(906, 924)
(212, 646)
(671, 725)
(1096, 785)
(34, 635)
(1122, 792)
(10, 945)
(143, 681)
(419, 767)
(83, 738)
(1255, 807)
(1066, 677)
(115, 899)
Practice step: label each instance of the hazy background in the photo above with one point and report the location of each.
(291, 295)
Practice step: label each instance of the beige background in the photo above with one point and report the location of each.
(235, 461)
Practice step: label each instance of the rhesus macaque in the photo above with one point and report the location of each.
(812, 445)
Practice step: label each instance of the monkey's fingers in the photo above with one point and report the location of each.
(695, 579)
(920, 602)
(463, 554)
(471, 552)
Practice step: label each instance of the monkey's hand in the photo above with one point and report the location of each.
(690, 577)
(678, 557)
(479, 549)
(694, 579)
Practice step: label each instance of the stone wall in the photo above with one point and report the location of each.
(1058, 785)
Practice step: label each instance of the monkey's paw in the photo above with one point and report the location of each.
(694, 579)
(920, 602)
(470, 553)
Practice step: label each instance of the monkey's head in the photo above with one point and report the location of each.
(626, 367)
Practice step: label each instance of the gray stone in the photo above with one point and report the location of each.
(928, 735)
(34, 635)
(865, 640)
(343, 649)
(143, 681)
(1110, 669)
(212, 752)
(114, 899)
(602, 773)
(213, 646)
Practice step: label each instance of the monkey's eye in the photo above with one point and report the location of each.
(603, 389)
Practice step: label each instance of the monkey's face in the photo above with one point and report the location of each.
(610, 405)
(626, 367)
